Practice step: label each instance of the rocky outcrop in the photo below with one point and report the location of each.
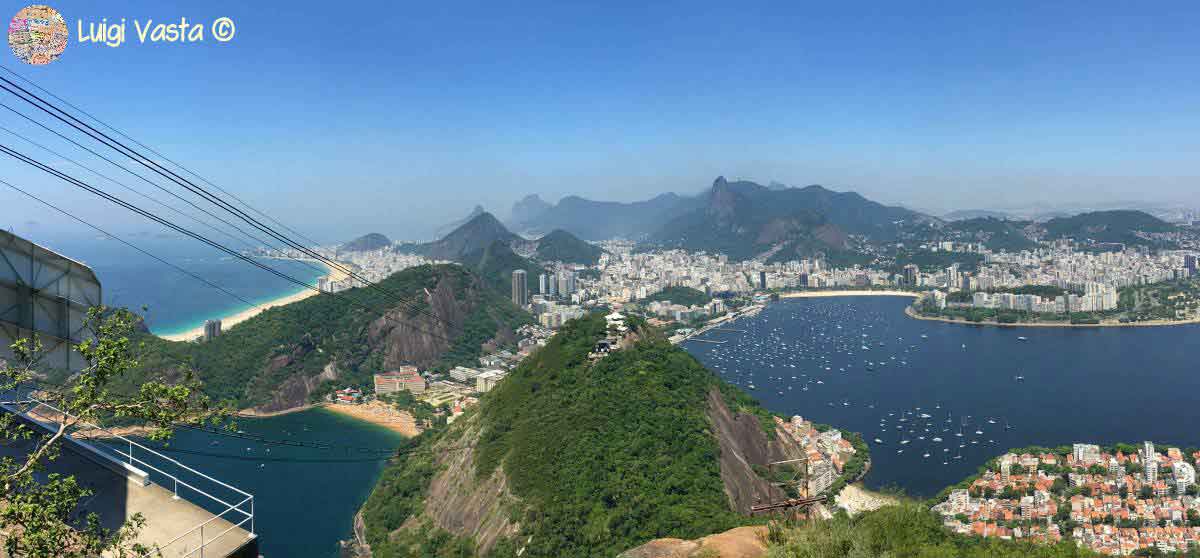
(744, 445)
(294, 391)
(460, 502)
(400, 336)
(418, 338)
(742, 542)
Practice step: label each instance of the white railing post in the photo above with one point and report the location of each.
(151, 453)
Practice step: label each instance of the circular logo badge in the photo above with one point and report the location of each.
(37, 34)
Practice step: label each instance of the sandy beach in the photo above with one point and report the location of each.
(855, 499)
(379, 414)
(230, 321)
(847, 292)
(253, 412)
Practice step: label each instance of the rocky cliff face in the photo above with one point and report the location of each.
(398, 337)
(419, 339)
(294, 391)
(744, 445)
(460, 502)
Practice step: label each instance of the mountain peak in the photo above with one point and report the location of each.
(528, 208)
(366, 243)
(722, 201)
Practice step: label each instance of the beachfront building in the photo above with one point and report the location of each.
(347, 396)
(404, 378)
(212, 329)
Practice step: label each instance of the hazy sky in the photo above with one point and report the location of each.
(340, 118)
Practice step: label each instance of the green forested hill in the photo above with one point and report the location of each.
(495, 264)
(1107, 226)
(600, 457)
(366, 243)
(562, 246)
(253, 361)
(996, 234)
(686, 296)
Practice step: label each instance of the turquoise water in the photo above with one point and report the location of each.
(174, 302)
(304, 498)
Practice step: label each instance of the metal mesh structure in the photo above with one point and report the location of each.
(44, 294)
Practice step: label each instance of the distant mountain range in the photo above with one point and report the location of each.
(745, 220)
(484, 245)
(740, 218)
(600, 220)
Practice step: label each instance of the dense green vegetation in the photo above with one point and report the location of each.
(398, 495)
(301, 338)
(587, 483)
(907, 529)
(996, 234)
(1108, 226)
(478, 233)
(495, 264)
(686, 296)
(562, 246)
(366, 243)
(610, 484)
(1168, 300)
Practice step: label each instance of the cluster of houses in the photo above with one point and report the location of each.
(1110, 502)
(681, 313)
(827, 452)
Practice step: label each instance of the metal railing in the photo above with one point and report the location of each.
(115, 443)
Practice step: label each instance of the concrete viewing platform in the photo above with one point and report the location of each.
(176, 525)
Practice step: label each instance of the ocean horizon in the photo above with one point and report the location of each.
(173, 302)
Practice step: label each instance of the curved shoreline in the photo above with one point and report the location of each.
(847, 292)
(908, 311)
(236, 318)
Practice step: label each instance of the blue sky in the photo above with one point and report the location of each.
(397, 116)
